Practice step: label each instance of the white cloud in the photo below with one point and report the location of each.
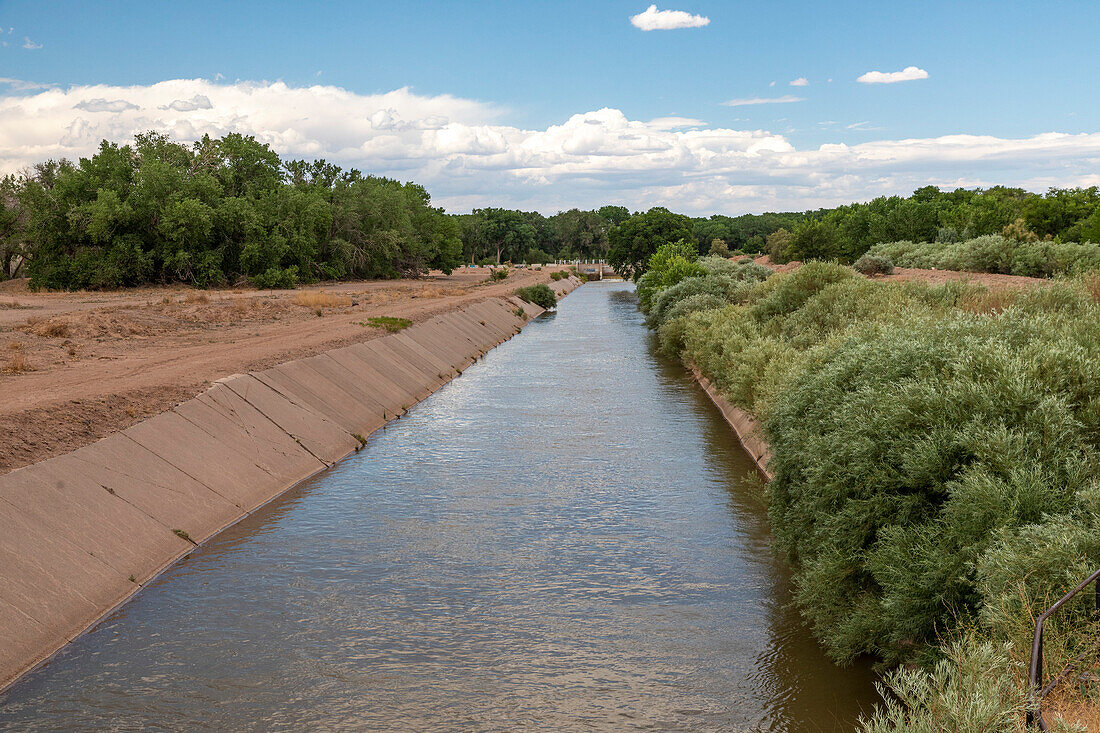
(909, 73)
(467, 155)
(771, 84)
(30, 45)
(800, 82)
(785, 99)
(653, 19)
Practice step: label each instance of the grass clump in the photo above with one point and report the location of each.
(496, 274)
(18, 364)
(540, 295)
(389, 323)
(558, 275)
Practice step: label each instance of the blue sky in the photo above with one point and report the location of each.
(1009, 70)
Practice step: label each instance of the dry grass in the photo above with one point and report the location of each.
(196, 298)
(18, 364)
(51, 328)
(15, 346)
(320, 299)
(985, 300)
(1091, 281)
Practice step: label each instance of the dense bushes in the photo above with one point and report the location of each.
(935, 450)
(995, 253)
(914, 443)
(540, 294)
(216, 212)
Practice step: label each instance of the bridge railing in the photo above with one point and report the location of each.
(1035, 671)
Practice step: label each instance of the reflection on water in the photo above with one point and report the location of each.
(560, 539)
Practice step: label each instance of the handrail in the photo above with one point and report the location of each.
(1035, 673)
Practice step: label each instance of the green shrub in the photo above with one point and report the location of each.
(870, 264)
(496, 274)
(274, 278)
(996, 254)
(540, 294)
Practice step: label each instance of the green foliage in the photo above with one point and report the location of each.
(997, 254)
(214, 212)
(558, 275)
(670, 264)
(540, 294)
(975, 687)
(637, 239)
(873, 264)
(929, 451)
(496, 274)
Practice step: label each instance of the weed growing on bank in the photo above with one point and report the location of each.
(540, 295)
(390, 323)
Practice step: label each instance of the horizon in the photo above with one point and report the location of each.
(566, 106)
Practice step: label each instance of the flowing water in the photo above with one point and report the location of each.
(566, 537)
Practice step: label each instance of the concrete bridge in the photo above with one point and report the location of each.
(593, 269)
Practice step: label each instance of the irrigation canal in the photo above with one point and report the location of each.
(563, 538)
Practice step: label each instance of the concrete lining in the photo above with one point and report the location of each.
(80, 533)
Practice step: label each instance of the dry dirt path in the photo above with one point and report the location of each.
(75, 367)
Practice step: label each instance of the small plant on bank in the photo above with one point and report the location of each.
(18, 364)
(541, 295)
(871, 265)
(359, 437)
(557, 275)
(183, 535)
(520, 313)
(390, 323)
(496, 274)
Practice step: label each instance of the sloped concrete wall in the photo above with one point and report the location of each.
(744, 424)
(81, 533)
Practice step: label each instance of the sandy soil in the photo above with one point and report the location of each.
(933, 276)
(75, 367)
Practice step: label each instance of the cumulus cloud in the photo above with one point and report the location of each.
(785, 99)
(909, 73)
(653, 19)
(467, 154)
(800, 82)
(30, 45)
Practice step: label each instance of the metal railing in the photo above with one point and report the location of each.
(1035, 673)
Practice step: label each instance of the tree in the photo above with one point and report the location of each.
(635, 240)
(504, 232)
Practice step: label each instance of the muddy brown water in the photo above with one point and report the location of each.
(561, 539)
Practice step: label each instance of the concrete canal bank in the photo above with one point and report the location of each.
(81, 533)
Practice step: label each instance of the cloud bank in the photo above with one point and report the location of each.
(468, 156)
(653, 19)
(909, 73)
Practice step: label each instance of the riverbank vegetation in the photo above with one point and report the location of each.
(936, 448)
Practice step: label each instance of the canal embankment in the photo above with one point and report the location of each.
(83, 532)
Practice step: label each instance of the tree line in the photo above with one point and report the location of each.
(224, 210)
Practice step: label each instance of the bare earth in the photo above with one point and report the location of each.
(76, 367)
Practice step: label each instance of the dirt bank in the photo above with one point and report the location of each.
(75, 367)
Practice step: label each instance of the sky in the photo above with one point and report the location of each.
(702, 106)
